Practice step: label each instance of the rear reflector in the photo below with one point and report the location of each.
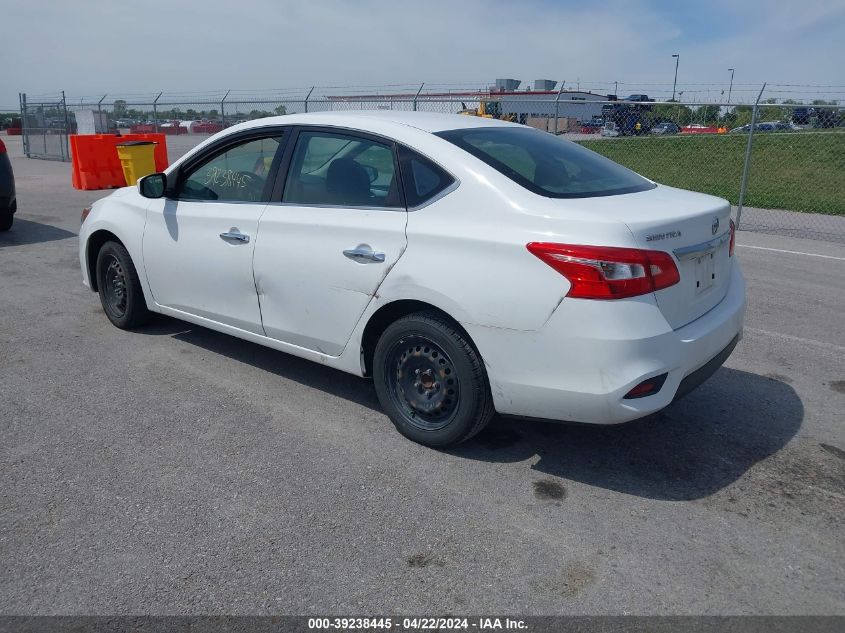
(607, 272)
(647, 387)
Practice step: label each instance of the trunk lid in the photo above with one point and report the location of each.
(695, 229)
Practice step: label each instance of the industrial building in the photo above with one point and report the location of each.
(545, 105)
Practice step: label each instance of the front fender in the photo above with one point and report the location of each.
(123, 216)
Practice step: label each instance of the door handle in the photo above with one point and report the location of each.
(236, 236)
(364, 255)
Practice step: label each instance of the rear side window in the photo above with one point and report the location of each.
(546, 164)
(422, 179)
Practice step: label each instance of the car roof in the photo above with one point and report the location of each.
(381, 120)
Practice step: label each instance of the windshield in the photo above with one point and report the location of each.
(546, 164)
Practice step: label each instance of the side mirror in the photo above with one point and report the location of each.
(153, 186)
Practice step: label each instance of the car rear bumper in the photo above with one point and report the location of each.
(590, 354)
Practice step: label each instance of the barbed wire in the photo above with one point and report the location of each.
(741, 93)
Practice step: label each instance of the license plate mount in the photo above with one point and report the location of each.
(705, 272)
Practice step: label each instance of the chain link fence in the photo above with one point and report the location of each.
(46, 125)
(779, 162)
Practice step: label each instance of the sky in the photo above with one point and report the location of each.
(88, 47)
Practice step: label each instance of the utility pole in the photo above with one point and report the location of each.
(675, 84)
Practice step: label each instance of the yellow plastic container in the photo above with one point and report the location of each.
(137, 159)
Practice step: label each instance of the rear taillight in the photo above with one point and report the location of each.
(733, 239)
(606, 272)
(2, 148)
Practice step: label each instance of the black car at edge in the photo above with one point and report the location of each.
(8, 201)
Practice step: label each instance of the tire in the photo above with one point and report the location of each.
(119, 287)
(431, 381)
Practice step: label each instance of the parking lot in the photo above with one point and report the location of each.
(176, 470)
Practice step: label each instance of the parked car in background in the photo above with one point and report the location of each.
(641, 98)
(591, 127)
(801, 116)
(666, 128)
(8, 198)
(765, 126)
(416, 249)
(610, 130)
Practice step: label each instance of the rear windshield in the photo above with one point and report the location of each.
(546, 164)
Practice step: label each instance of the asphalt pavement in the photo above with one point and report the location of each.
(175, 470)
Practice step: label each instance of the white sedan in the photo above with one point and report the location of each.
(468, 265)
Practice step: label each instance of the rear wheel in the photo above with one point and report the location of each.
(119, 287)
(431, 381)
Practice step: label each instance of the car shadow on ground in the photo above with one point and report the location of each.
(338, 383)
(694, 448)
(29, 232)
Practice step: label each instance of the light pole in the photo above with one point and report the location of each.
(732, 84)
(675, 84)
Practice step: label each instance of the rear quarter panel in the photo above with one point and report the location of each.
(467, 251)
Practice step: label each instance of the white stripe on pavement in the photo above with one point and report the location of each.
(796, 339)
(780, 250)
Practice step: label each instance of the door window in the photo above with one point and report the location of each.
(423, 180)
(342, 170)
(238, 174)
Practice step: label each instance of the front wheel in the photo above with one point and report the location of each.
(431, 381)
(119, 287)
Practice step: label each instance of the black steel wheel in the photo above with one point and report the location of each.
(114, 286)
(423, 382)
(120, 289)
(431, 381)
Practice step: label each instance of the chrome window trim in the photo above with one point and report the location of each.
(455, 184)
(317, 205)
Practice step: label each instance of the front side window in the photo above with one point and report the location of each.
(336, 169)
(239, 174)
(546, 164)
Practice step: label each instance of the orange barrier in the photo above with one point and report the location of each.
(96, 164)
(13, 131)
